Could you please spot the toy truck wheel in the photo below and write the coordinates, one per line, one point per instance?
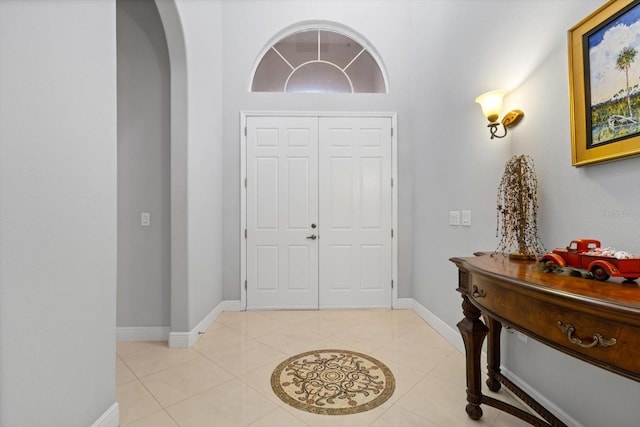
(599, 273)
(630, 278)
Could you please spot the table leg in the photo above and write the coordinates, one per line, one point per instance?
(493, 353)
(473, 332)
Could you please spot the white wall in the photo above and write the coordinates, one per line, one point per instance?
(248, 26)
(456, 166)
(144, 253)
(465, 48)
(193, 32)
(57, 212)
(202, 22)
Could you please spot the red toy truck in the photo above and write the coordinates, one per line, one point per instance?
(587, 254)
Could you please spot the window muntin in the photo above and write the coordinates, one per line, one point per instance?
(313, 61)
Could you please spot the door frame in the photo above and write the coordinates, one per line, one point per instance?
(244, 115)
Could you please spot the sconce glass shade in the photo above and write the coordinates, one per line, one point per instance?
(491, 104)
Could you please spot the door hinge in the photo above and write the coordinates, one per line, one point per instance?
(391, 182)
(392, 284)
(245, 285)
(245, 233)
(245, 182)
(245, 131)
(392, 233)
(392, 132)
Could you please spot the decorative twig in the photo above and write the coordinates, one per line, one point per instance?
(517, 210)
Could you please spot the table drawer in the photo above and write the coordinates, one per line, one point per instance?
(590, 336)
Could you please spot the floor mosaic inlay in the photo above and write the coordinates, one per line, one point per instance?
(333, 382)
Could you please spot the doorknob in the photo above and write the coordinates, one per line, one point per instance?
(312, 237)
(313, 226)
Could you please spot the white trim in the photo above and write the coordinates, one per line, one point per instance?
(110, 417)
(450, 334)
(321, 26)
(234, 305)
(404, 304)
(188, 339)
(454, 338)
(142, 333)
(182, 339)
(394, 209)
(280, 55)
(243, 190)
(354, 59)
(243, 208)
(277, 113)
(319, 61)
(548, 404)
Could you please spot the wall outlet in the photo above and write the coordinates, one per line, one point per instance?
(522, 337)
(454, 217)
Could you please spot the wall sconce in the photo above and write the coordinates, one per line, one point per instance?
(491, 103)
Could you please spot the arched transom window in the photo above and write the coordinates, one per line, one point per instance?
(318, 60)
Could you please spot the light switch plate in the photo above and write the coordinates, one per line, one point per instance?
(145, 219)
(454, 217)
(466, 218)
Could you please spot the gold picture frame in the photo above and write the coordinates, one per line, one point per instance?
(605, 121)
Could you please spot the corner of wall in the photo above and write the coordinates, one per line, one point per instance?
(188, 339)
(110, 417)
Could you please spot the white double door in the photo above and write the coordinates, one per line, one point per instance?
(319, 212)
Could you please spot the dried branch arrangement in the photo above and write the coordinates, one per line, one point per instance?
(517, 217)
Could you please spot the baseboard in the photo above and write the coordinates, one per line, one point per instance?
(403, 304)
(142, 333)
(455, 339)
(548, 404)
(232, 305)
(110, 418)
(188, 339)
(450, 334)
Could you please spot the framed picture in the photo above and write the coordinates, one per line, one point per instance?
(604, 82)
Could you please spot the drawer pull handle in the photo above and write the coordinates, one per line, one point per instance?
(598, 339)
(478, 293)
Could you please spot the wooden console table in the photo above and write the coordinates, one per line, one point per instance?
(598, 322)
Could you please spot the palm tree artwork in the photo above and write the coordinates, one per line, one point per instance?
(625, 58)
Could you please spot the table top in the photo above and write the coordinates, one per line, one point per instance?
(614, 294)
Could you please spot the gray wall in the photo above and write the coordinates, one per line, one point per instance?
(144, 253)
(57, 212)
(194, 27)
(600, 201)
(524, 51)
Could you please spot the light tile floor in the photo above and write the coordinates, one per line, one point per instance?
(224, 380)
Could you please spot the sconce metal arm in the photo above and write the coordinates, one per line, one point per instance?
(512, 118)
(493, 128)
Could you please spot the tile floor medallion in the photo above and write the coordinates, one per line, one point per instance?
(333, 382)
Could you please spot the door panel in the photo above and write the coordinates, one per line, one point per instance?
(371, 266)
(266, 172)
(333, 172)
(355, 212)
(371, 205)
(282, 203)
(340, 176)
(298, 186)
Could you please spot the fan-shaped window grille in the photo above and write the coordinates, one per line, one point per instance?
(318, 61)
